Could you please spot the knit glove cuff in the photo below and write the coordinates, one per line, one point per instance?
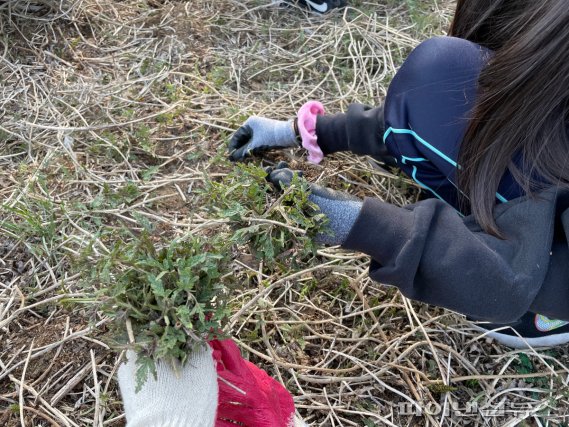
(186, 398)
(247, 395)
(341, 209)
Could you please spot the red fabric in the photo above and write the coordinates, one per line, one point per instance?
(266, 402)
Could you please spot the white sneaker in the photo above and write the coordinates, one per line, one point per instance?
(532, 330)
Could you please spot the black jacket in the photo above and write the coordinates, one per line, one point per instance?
(433, 255)
(429, 251)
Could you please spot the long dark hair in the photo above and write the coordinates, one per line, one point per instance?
(522, 109)
(489, 23)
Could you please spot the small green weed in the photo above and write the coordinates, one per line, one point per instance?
(173, 295)
(281, 234)
(524, 365)
(440, 388)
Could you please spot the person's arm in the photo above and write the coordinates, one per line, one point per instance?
(433, 255)
(359, 130)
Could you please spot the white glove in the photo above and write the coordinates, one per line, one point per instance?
(187, 398)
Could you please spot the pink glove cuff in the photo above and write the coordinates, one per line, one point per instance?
(307, 129)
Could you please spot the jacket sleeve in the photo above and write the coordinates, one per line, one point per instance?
(359, 130)
(434, 255)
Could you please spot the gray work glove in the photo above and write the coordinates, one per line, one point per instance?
(341, 209)
(259, 134)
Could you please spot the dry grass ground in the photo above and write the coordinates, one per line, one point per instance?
(110, 112)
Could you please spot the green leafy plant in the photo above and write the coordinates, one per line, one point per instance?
(166, 297)
(171, 298)
(277, 227)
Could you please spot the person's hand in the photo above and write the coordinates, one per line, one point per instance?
(259, 134)
(187, 397)
(247, 395)
(341, 209)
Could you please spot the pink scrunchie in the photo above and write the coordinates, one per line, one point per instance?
(307, 129)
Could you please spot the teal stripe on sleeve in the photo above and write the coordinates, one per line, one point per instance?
(435, 150)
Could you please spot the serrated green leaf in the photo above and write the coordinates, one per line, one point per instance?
(144, 366)
(150, 172)
(157, 285)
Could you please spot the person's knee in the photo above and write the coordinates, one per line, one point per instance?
(435, 89)
(441, 61)
(445, 54)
